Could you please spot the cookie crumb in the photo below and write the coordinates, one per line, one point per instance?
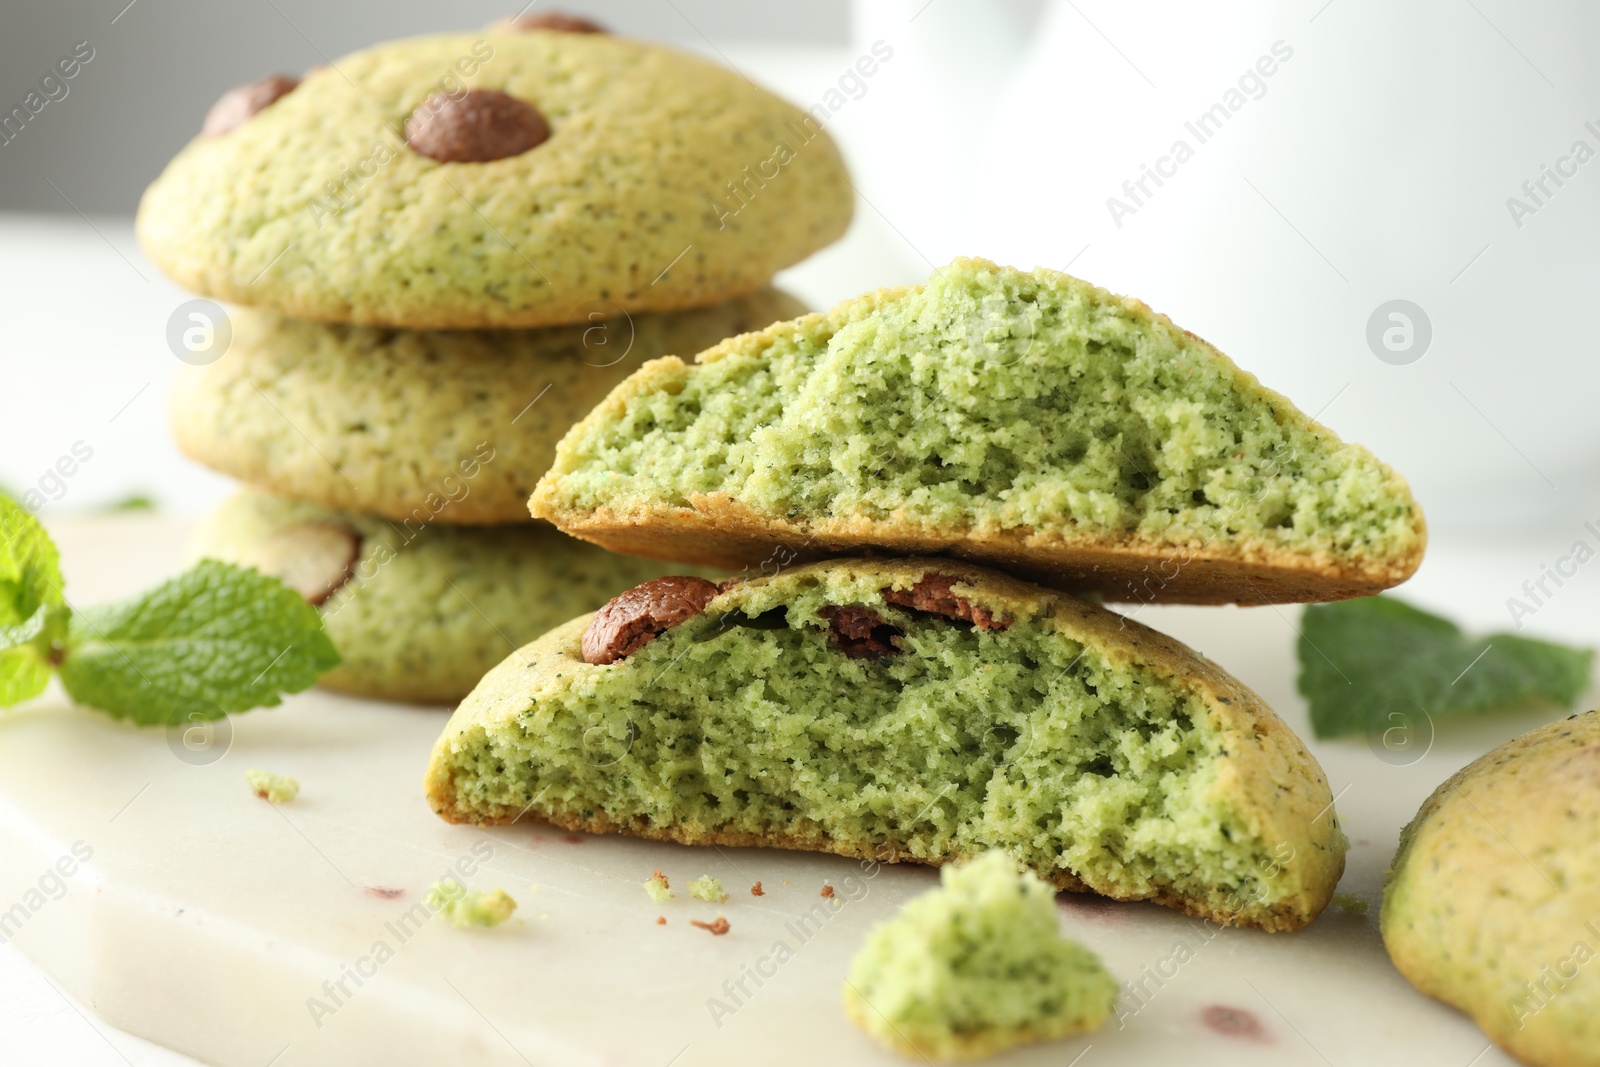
(827, 890)
(707, 888)
(757, 891)
(1350, 904)
(657, 886)
(273, 788)
(661, 920)
(718, 928)
(470, 908)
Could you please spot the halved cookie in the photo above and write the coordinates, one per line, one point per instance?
(399, 422)
(1029, 420)
(921, 710)
(1493, 901)
(418, 611)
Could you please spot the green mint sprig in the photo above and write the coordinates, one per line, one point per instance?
(1364, 661)
(216, 639)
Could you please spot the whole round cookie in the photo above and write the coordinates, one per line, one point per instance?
(506, 178)
(418, 613)
(1493, 901)
(435, 426)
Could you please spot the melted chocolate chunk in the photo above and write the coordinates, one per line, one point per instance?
(632, 620)
(557, 22)
(932, 594)
(234, 108)
(860, 633)
(476, 126)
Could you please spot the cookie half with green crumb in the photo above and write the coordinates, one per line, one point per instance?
(976, 967)
(498, 179)
(913, 710)
(1492, 903)
(418, 612)
(449, 426)
(1027, 420)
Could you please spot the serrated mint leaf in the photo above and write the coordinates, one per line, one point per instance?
(216, 639)
(1364, 661)
(30, 572)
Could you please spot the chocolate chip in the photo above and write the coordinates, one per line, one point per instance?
(476, 126)
(860, 633)
(556, 22)
(632, 620)
(314, 559)
(932, 594)
(236, 105)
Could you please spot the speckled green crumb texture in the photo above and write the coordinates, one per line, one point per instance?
(1025, 419)
(1493, 900)
(426, 610)
(975, 967)
(1100, 754)
(449, 426)
(667, 182)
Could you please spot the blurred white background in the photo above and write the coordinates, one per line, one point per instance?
(1273, 176)
(1282, 178)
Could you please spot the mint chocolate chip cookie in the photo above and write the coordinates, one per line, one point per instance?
(447, 426)
(516, 177)
(920, 710)
(418, 612)
(1028, 420)
(1493, 900)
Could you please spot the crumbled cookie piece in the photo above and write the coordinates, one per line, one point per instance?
(463, 907)
(718, 927)
(274, 788)
(707, 888)
(657, 886)
(757, 891)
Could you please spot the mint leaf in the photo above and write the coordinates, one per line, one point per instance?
(1362, 661)
(25, 651)
(30, 572)
(216, 639)
(31, 611)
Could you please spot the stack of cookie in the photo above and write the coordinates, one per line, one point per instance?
(447, 249)
(992, 424)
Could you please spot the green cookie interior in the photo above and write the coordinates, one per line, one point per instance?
(993, 399)
(748, 724)
(976, 966)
